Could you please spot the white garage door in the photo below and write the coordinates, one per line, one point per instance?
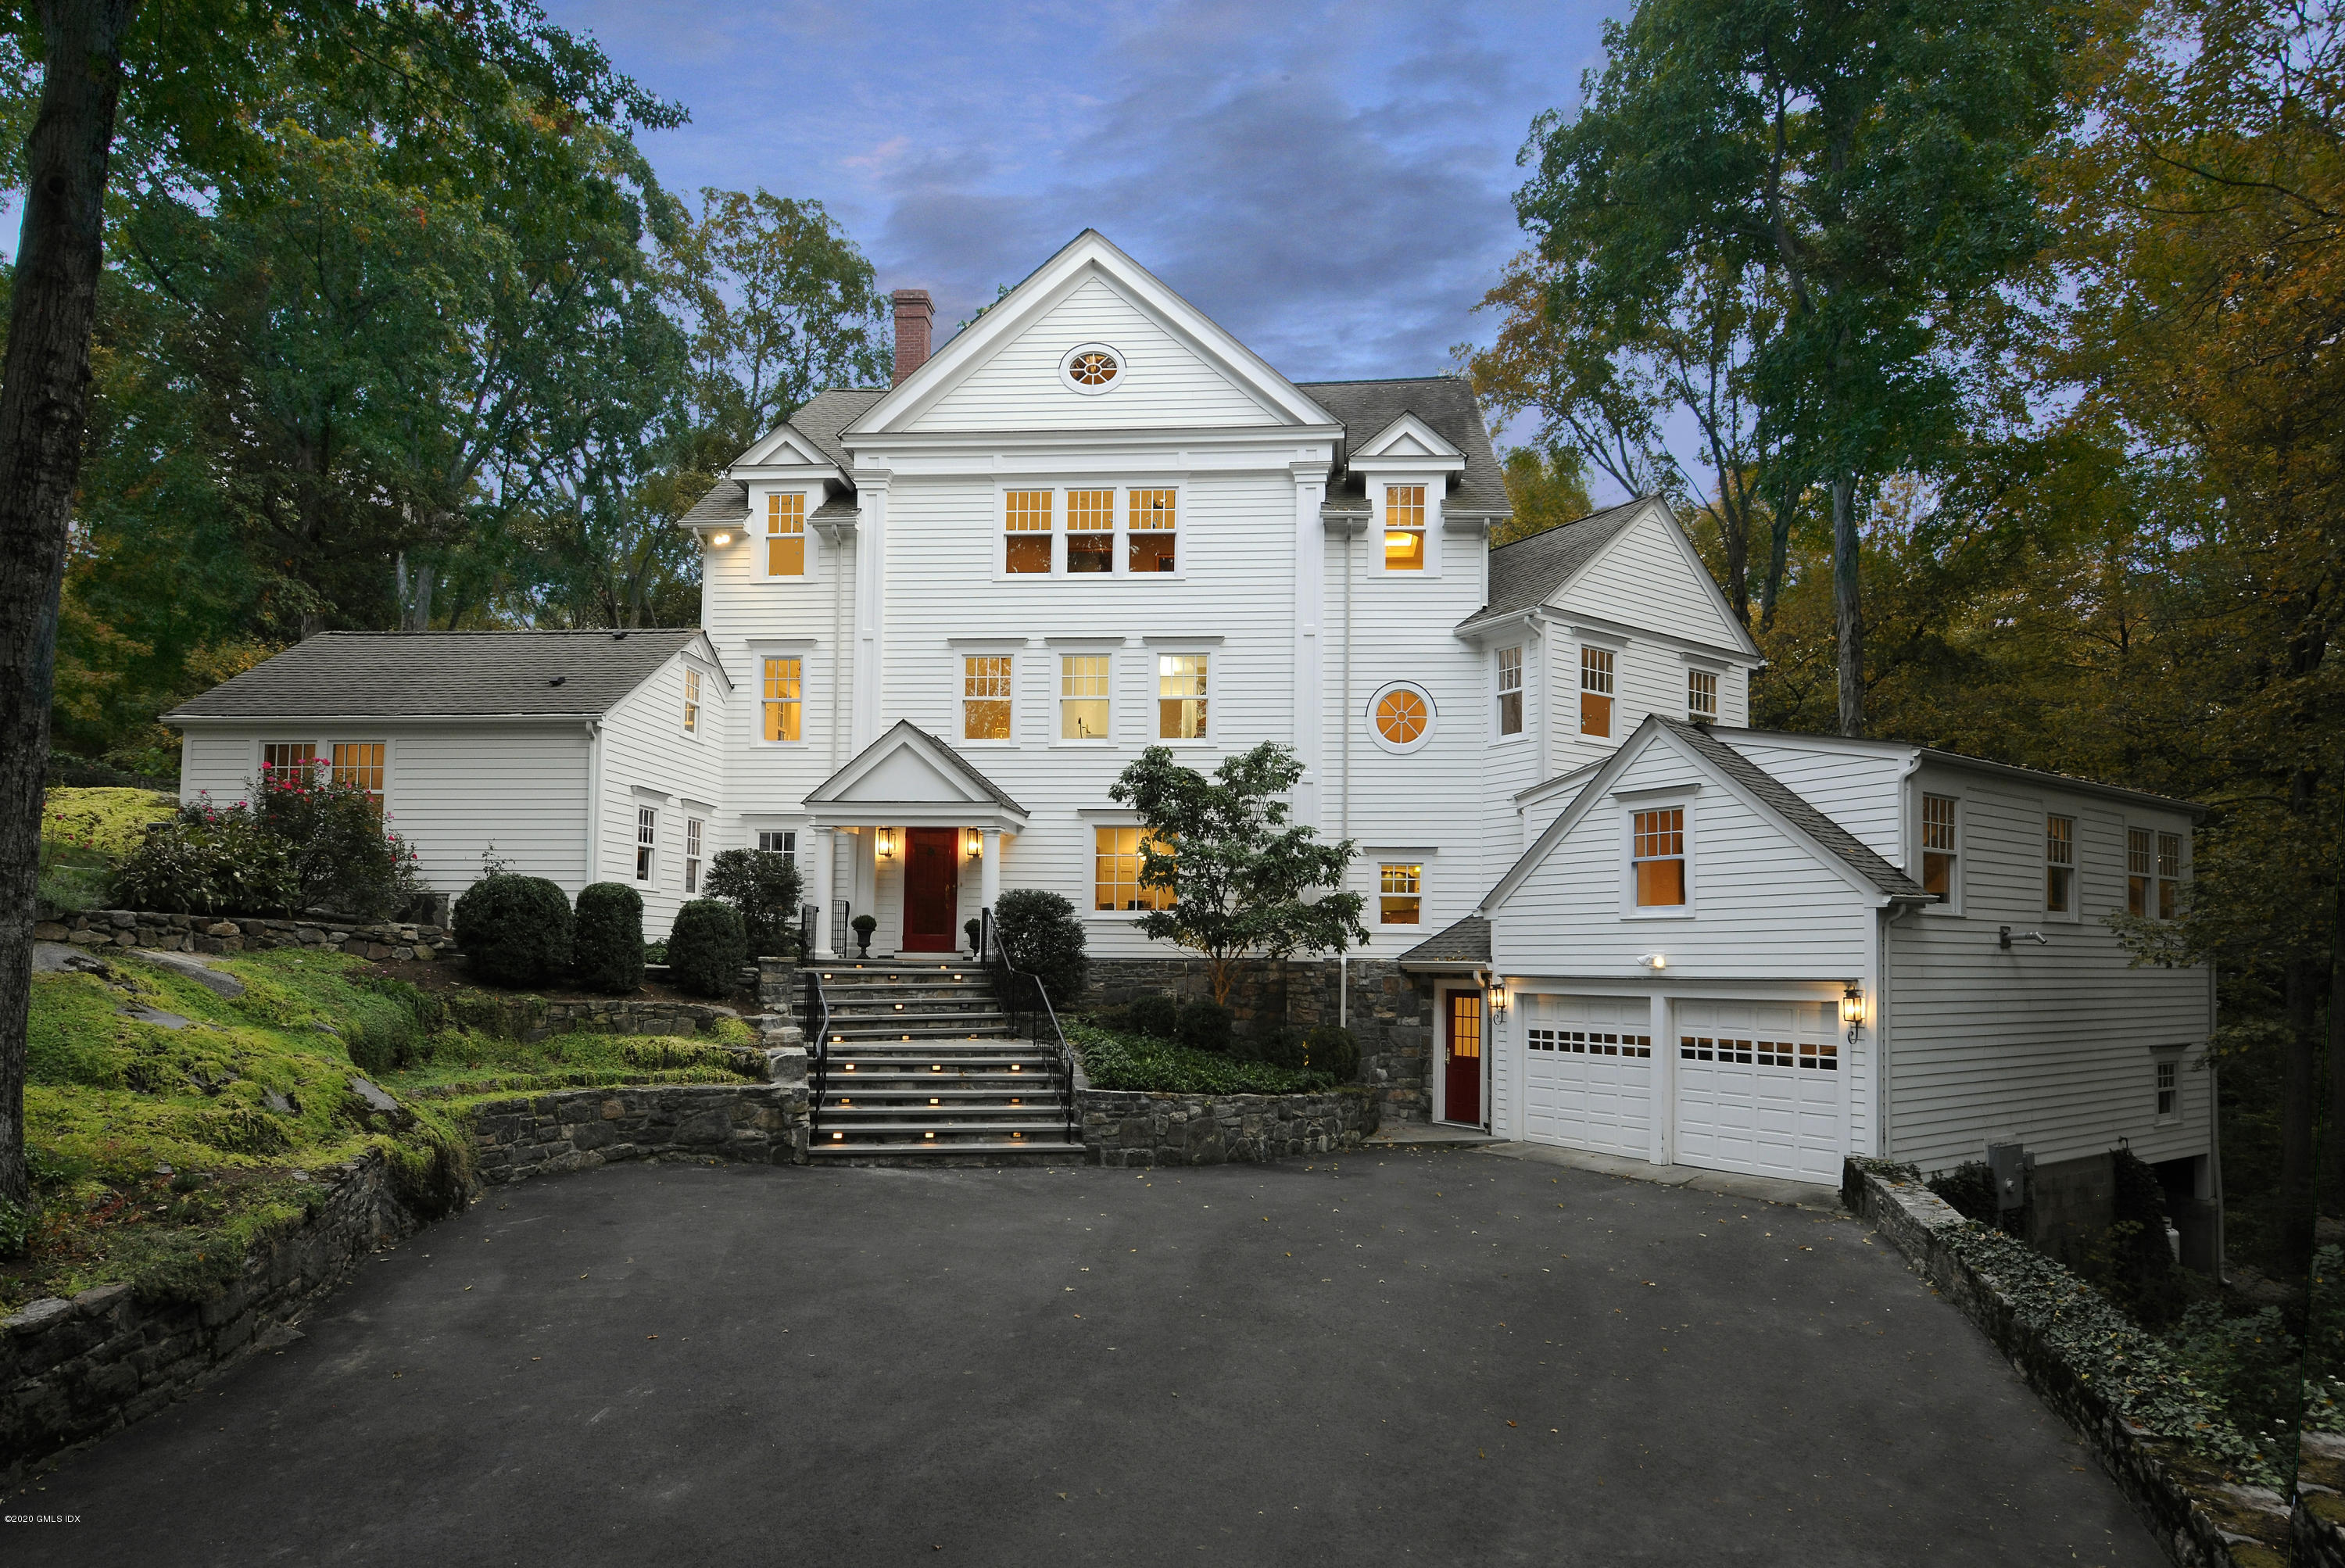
(1588, 1071)
(1760, 1088)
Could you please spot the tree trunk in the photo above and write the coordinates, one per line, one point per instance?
(44, 406)
(1848, 611)
(2337, 1053)
(2302, 988)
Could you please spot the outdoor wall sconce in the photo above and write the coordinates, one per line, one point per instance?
(1852, 1009)
(1655, 961)
(2004, 936)
(886, 845)
(1497, 998)
(720, 540)
(972, 843)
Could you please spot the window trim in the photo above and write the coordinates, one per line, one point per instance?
(646, 845)
(1423, 738)
(692, 708)
(788, 851)
(1059, 698)
(2074, 912)
(2162, 897)
(1416, 869)
(1673, 800)
(1500, 691)
(1067, 370)
(2164, 1065)
(761, 521)
(696, 838)
(1695, 675)
(1961, 852)
(1610, 694)
(1120, 535)
(961, 697)
(1156, 698)
(1379, 488)
(1117, 852)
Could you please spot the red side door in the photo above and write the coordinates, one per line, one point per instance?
(1461, 1084)
(931, 877)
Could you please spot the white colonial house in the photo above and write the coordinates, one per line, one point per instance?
(940, 617)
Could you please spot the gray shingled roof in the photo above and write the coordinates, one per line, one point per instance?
(959, 764)
(1778, 797)
(1528, 571)
(1445, 403)
(819, 421)
(1466, 941)
(434, 675)
(727, 504)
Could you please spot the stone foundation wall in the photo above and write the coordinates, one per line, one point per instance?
(534, 1018)
(2199, 1522)
(221, 933)
(577, 1129)
(1390, 1012)
(71, 1370)
(1122, 1127)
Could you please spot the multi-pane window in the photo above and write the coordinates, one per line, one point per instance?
(359, 764)
(1510, 691)
(1026, 527)
(1404, 527)
(1938, 846)
(296, 758)
(784, 843)
(646, 840)
(1082, 696)
(1402, 715)
(1117, 865)
(785, 698)
(692, 854)
(1657, 856)
(1150, 530)
(692, 702)
(985, 697)
(2060, 865)
(1701, 695)
(786, 534)
(1595, 691)
(1399, 894)
(2169, 1088)
(1181, 697)
(1091, 530)
(2153, 871)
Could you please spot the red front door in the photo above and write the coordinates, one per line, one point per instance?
(931, 877)
(1461, 1084)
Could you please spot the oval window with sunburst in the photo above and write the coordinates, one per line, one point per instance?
(1093, 367)
(1401, 716)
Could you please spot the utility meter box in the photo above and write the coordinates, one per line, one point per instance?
(2007, 1162)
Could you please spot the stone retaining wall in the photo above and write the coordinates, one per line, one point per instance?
(2199, 1522)
(1127, 1127)
(74, 1370)
(577, 1129)
(2315, 1534)
(221, 933)
(534, 1018)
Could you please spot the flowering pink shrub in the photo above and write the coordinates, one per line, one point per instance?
(303, 841)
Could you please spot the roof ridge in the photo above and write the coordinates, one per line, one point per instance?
(1574, 523)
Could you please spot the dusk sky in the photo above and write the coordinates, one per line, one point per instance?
(1332, 183)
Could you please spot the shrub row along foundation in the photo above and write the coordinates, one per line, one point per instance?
(219, 934)
(2200, 1520)
(1124, 1128)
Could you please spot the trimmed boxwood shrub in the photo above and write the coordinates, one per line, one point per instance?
(707, 949)
(607, 952)
(1203, 1026)
(1333, 1049)
(1154, 1015)
(1046, 939)
(514, 930)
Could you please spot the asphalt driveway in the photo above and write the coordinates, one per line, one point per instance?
(1434, 1356)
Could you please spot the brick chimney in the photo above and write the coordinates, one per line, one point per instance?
(913, 311)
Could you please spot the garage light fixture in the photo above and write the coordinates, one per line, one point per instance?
(1497, 998)
(1852, 1009)
(720, 540)
(1656, 962)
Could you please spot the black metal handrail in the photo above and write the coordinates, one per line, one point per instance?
(1024, 994)
(818, 1017)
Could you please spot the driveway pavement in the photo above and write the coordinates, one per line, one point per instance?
(1408, 1355)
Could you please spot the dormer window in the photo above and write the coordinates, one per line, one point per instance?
(1404, 527)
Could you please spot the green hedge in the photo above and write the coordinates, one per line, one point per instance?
(608, 951)
(707, 949)
(1112, 1060)
(514, 930)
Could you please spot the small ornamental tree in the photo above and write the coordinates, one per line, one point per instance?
(608, 954)
(1241, 878)
(765, 886)
(1045, 939)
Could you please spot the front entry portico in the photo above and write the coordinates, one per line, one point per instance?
(922, 811)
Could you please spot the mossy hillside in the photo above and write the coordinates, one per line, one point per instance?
(108, 820)
(254, 1090)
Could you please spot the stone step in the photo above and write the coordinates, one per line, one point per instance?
(1005, 1152)
(918, 1110)
(937, 1132)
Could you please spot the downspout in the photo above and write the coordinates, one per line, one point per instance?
(592, 867)
(1345, 818)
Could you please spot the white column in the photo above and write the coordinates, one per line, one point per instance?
(1310, 611)
(821, 850)
(988, 873)
(870, 603)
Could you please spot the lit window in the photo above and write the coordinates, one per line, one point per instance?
(1701, 695)
(692, 702)
(1938, 850)
(646, 840)
(784, 704)
(1181, 697)
(2060, 865)
(296, 758)
(786, 534)
(360, 766)
(1026, 522)
(1404, 527)
(1595, 691)
(2169, 872)
(2170, 1089)
(692, 854)
(2141, 870)
(1399, 891)
(1091, 530)
(1093, 368)
(1151, 532)
(1082, 696)
(1402, 715)
(1658, 857)
(784, 843)
(985, 697)
(1116, 871)
(1510, 691)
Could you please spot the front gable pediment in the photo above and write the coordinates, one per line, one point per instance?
(909, 776)
(782, 447)
(1407, 441)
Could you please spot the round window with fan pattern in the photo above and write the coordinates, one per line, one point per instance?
(1401, 717)
(1092, 369)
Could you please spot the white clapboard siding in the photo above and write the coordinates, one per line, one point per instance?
(218, 765)
(457, 792)
(2051, 1046)
(648, 760)
(1646, 566)
(1162, 382)
(1856, 786)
